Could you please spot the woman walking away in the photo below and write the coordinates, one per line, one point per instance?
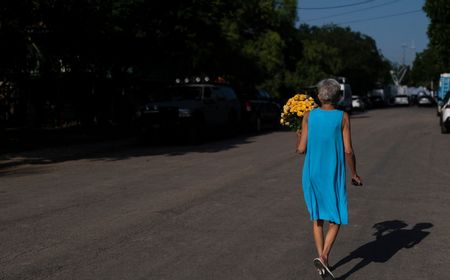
(326, 139)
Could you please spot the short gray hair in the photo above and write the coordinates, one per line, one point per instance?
(328, 90)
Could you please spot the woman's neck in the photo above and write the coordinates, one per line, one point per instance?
(327, 107)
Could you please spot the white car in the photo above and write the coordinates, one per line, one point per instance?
(401, 100)
(424, 100)
(445, 114)
(358, 103)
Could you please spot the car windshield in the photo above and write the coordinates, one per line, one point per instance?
(248, 93)
(180, 93)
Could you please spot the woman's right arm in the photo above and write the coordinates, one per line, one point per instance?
(348, 147)
(301, 149)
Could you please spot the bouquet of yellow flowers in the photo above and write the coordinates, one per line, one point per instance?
(295, 109)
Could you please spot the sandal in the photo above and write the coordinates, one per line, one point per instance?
(321, 272)
(321, 267)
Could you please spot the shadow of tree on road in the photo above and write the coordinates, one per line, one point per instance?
(390, 237)
(121, 149)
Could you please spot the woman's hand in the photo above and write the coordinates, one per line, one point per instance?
(356, 180)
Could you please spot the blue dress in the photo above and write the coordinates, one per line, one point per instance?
(323, 177)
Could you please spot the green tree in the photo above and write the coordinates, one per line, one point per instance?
(336, 51)
(252, 42)
(319, 61)
(439, 29)
(426, 68)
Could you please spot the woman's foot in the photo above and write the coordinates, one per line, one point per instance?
(324, 260)
(323, 269)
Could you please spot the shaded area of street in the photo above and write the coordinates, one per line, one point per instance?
(227, 209)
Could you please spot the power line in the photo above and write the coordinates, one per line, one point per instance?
(375, 18)
(353, 11)
(335, 7)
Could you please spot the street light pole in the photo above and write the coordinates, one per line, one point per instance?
(404, 54)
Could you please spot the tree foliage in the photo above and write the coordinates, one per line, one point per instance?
(336, 51)
(439, 29)
(254, 42)
(426, 69)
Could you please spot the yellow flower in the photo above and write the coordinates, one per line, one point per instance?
(295, 109)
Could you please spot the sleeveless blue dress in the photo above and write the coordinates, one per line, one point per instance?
(323, 177)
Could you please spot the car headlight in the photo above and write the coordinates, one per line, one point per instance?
(184, 113)
(151, 109)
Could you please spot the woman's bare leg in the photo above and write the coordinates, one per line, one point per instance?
(333, 230)
(318, 236)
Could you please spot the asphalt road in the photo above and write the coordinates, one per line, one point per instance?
(228, 209)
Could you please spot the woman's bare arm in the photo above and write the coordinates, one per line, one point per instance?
(301, 149)
(348, 147)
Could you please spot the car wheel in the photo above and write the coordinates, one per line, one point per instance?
(444, 128)
(195, 132)
(276, 124)
(233, 125)
(147, 136)
(276, 121)
(258, 124)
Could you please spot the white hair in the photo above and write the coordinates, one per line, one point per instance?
(328, 90)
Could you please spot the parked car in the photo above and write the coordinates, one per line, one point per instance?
(259, 109)
(358, 103)
(345, 103)
(440, 103)
(445, 114)
(401, 100)
(190, 110)
(424, 99)
(377, 98)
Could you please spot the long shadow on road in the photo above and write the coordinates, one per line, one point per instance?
(390, 237)
(121, 149)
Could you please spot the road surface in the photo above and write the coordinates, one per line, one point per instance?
(228, 209)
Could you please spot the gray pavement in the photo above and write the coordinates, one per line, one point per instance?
(228, 209)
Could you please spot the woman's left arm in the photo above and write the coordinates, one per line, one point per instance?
(348, 148)
(301, 149)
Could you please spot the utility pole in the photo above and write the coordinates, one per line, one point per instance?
(404, 54)
(413, 48)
